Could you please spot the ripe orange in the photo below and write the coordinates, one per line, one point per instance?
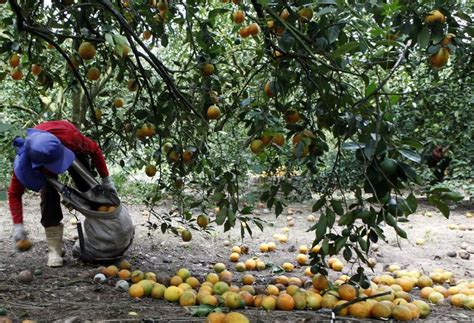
(16, 74)
(447, 39)
(263, 247)
(146, 34)
(132, 85)
(172, 294)
(118, 102)
(136, 290)
(124, 274)
(186, 235)
(305, 14)
(236, 249)
(244, 32)
(98, 114)
(266, 138)
(225, 276)
(250, 264)
(288, 267)
(284, 14)
(234, 257)
(380, 310)
(111, 271)
(86, 50)
(347, 292)
(269, 303)
(173, 156)
(337, 266)
(176, 280)
(302, 259)
(213, 112)
(158, 291)
(292, 116)
(435, 16)
(36, 69)
(360, 310)
(278, 139)
(285, 302)
(23, 245)
(147, 286)
(14, 60)
(187, 299)
(320, 282)
(439, 59)
(202, 221)
(256, 146)
(150, 170)
(215, 317)
(248, 279)
(137, 275)
(238, 16)
(93, 74)
(329, 301)
(401, 313)
(253, 29)
(268, 87)
(207, 69)
(187, 156)
(235, 317)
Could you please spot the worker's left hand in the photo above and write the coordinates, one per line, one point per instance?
(108, 186)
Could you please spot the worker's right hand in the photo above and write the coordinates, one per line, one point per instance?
(19, 232)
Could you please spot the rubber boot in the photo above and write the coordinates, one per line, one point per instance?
(54, 237)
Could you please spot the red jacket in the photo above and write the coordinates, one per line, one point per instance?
(70, 136)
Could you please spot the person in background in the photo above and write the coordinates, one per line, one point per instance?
(49, 149)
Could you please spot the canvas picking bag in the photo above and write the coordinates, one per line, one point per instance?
(105, 235)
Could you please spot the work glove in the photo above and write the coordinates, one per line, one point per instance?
(108, 187)
(19, 232)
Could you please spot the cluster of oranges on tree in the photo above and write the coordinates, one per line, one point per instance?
(436, 19)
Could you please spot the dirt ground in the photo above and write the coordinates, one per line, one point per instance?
(69, 293)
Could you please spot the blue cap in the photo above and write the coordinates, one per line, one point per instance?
(40, 149)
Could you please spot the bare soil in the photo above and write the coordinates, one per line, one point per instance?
(69, 293)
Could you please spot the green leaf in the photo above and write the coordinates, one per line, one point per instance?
(410, 154)
(440, 205)
(424, 37)
(3, 196)
(346, 219)
(390, 220)
(330, 217)
(401, 232)
(452, 196)
(370, 89)
(321, 226)
(363, 244)
(337, 207)
(340, 243)
(247, 210)
(352, 146)
(319, 204)
(347, 253)
(203, 310)
(221, 216)
(412, 202)
(347, 47)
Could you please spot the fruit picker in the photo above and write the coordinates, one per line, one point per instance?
(50, 149)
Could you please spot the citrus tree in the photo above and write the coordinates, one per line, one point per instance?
(201, 91)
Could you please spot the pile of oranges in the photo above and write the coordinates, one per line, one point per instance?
(388, 295)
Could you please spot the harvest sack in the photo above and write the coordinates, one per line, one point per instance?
(107, 235)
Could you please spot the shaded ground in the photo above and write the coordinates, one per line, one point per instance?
(70, 294)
